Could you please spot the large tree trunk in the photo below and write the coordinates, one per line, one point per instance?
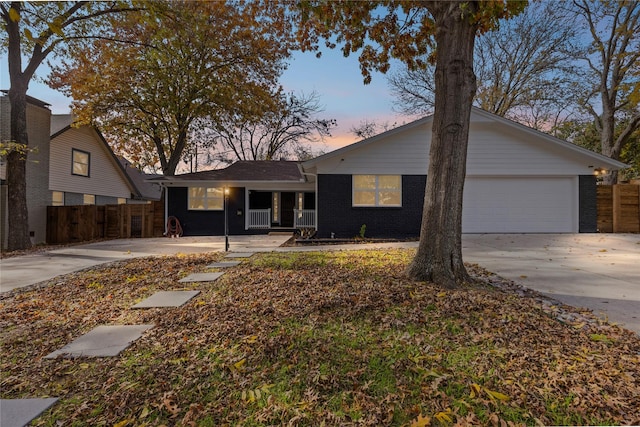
(18, 233)
(439, 256)
(17, 212)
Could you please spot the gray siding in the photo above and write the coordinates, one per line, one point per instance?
(105, 178)
(38, 194)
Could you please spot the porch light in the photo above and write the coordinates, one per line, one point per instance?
(599, 171)
(226, 221)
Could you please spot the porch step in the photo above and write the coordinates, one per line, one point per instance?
(281, 233)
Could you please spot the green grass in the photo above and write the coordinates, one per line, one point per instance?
(306, 339)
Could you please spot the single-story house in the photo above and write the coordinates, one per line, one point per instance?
(519, 180)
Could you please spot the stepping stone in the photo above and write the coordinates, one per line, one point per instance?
(239, 255)
(201, 277)
(103, 341)
(20, 412)
(167, 299)
(224, 264)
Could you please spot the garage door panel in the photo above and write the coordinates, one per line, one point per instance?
(519, 205)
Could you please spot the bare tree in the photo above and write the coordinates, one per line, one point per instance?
(522, 70)
(281, 133)
(613, 61)
(368, 128)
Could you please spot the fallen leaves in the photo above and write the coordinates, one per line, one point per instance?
(340, 338)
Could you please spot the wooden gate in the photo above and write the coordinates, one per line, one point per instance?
(618, 208)
(70, 224)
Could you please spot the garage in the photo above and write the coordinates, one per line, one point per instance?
(512, 204)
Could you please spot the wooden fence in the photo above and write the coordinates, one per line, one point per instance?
(70, 224)
(618, 208)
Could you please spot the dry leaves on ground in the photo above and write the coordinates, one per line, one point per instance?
(334, 338)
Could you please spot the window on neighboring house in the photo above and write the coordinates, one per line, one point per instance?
(206, 199)
(377, 190)
(122, 201)
(89, 199)
(80, 161)
(57, 198)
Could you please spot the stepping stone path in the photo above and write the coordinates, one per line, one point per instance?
(108, 341)
(201, 277)
(224, 264)
(167, 299)
(239, 255)
(20, 412)
(103, 341)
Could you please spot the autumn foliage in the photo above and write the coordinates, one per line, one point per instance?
(334, 338)
(169, 66)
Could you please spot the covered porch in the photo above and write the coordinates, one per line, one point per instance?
(273, 209)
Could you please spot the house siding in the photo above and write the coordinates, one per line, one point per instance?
(38, 194)
(208, 223)
(587, 201)
(337, 215)
(103, 180)
(494, 149)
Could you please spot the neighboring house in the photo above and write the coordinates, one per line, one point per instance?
(67, 166)
(518, 180)
(83, 169)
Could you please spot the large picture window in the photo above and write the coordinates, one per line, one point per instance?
(377, 190)
(206, 199)
(80, 160)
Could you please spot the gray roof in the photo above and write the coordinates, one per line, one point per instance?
(60, 122)
(247, 170)
(147, 190)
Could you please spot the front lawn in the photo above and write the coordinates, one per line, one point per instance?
(322, 338)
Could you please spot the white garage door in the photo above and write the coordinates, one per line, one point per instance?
(520, 205)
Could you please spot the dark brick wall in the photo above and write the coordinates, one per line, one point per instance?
(207, 223)
(337, 215)
(587, 204)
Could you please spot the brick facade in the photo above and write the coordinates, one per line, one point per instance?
(587, 204)
(337, 215)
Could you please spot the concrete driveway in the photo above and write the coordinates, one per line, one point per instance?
(597, 271)
(26, 270)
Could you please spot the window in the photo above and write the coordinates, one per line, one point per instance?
(206, 199)
(80, 161)
(122, 201)
(377, 190)
(57, 198)
(89, 199)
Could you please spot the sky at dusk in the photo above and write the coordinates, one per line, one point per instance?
(336, 79)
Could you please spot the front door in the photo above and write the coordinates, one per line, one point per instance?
(288, 204)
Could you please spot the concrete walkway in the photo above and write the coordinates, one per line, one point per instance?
(597, 271)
